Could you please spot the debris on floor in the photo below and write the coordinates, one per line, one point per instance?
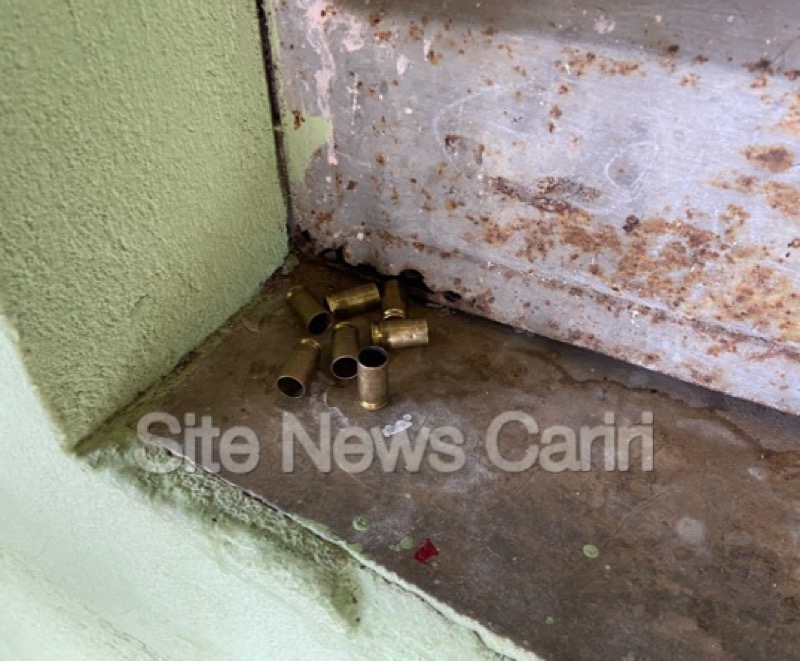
(697, 558)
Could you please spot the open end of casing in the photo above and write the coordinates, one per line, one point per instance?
(319, 323)
(344, 367)
(373, 357)
(290, 387)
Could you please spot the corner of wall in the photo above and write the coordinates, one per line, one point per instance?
(140, 191)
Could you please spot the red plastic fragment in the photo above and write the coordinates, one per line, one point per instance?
(426, 551)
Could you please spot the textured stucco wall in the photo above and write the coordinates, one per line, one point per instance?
(139, 196)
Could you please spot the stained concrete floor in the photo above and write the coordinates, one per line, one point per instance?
(699, 558)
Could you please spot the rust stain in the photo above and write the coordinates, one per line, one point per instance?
(656, 242)
(592, 240)
(538, 235)
(753, 293)
(584, 338)
(537, 240)
(380, 158)
(496, 235)
(764, 65)
(631, 223)
(390, 239)
(734, 218)
(452, 142)
(509, 51)
(383, 36)
(690, 80)
(774, 158)
(450, 43)
(791, 123)
(514, 191)
(548, 194)
(784, 198)
(299, 120)
(761, 296)
(691, 214)
(484, 301)
(323, 217)
(556, 112)
(434, 57)
(566, 186)
(757, 294)
(706, 377)
(668, 64)
(579, 63)
(725, 345)
(698, 273)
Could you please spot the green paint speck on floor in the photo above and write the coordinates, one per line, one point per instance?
(361, 523)
(591, 551)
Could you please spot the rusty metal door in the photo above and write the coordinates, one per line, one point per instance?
(622, 178)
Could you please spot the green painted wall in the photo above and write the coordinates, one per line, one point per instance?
(139, 196)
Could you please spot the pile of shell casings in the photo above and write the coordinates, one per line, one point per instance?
(358, 345)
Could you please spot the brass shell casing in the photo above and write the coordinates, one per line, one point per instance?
(299, 369)
(315, 318)
(393, 301)
(354, 300)
(344, 359)
(364, 327)
(400, 333)
(373, 378)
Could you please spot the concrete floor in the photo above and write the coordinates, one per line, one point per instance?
(698, 558)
